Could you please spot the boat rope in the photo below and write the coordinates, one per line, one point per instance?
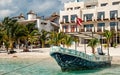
(22, 67)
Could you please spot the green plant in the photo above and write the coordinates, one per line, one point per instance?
(105, 46)
(115, 45)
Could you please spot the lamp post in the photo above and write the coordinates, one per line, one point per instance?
(101, 41)
(85, 45)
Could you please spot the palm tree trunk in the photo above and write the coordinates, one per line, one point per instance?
(43, 44)
(93, 50)
(18, 44)
(108, 47)
(11, 45)
(75, 46)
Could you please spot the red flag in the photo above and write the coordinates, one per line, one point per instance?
(79, 21)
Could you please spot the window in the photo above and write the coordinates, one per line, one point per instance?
(78, 0)
(65, 18)
(113, 14)
(43, 23)
(65, 28)
(103, 4)
(88, 27)
(100, 26)
(101, 15)
(90, 6)
(77, 8)
(115, 3)
(112, 25)
(88, 17)
(73, 17)
(69, 8)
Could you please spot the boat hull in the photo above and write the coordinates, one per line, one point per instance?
(69, 62)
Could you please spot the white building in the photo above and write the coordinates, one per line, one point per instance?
(97, 16)
(46, 24)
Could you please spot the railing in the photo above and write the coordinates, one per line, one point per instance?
(94, 58)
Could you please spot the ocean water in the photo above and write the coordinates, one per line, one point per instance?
(47, 66)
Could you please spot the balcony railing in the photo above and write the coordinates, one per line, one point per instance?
(88, 30)
(99, 30)
(67, 22)
(112, 29)
(118, 29)
(72, 21)
(82, 30)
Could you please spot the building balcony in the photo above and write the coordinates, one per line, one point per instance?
(112, 29)
(112, 18)
(64, 22)
(88, 30)
(82, 30)
(104, 19)
(99, 30)
(118, 29)
(88, 21)
(72, 21)
(61, 22)
(115, 18)
(99, 19)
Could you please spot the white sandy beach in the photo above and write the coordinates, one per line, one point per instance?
(42, 53)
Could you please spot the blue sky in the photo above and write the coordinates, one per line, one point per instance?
(41, 7)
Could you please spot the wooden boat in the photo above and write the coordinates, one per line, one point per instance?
(69, 59)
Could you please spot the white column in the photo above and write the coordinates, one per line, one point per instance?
(85, 29)
(102, 17)
(116, 27)
(102, 28)
(64, 29)
(69, 28)
(64, 20)
(85, 19)
(93, 28)
(116, 16)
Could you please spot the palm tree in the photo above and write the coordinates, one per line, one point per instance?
(10, 26)
(76, 39)
(43, 37)
(60, 38)
(93, 43)
(68, 40)
(56, 38)
(21, 33)
(33, 37)
(108, 34)
(30, 27)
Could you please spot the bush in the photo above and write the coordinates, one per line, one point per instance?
(115, 45)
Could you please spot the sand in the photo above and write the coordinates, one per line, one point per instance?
(43, 53)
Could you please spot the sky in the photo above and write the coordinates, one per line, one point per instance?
(40, 7)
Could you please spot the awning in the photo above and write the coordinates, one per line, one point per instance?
(86, 35)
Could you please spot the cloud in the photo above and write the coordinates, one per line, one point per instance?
(4, 2)
(41, 7)
(5, 13)
(45, 6)
(64, 1)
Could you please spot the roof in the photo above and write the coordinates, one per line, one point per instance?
(31, 12)
(86, 35)
(53, 17)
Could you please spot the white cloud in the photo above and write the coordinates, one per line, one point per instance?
(5, 13)
(4, 2)
(42, 7)
(64, 1)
